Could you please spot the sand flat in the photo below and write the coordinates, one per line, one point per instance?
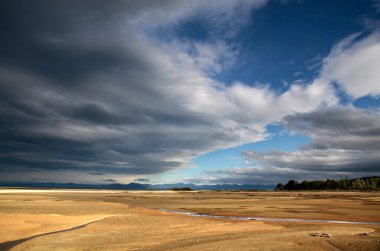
(45, 191)
(136, 223)
(20, 226)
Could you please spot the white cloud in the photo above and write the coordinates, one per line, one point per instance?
(354, 63)
(259, 105)
(346, 142)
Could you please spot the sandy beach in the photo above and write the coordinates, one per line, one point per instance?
(123, 220)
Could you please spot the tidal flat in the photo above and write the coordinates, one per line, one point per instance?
(63, 219)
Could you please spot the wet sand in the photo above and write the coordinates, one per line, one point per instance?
(122, 220)
(246, 218)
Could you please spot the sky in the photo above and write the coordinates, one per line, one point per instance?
(204, 92)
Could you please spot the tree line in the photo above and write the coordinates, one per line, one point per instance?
(361, 184)
(181, 189)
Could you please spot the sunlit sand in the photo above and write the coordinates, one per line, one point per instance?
(124, 220)
(56, 191)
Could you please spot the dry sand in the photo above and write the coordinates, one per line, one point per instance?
(121, 220)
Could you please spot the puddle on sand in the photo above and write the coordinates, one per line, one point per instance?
(245, 218)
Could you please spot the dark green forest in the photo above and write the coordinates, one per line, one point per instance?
(357, 184)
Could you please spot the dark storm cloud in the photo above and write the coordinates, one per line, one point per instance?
(341, 127)
(36, 37)
(109, 180)
(49, 52)
(326, 160)
(95, 113)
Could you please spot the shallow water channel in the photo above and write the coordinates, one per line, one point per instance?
(247, 218)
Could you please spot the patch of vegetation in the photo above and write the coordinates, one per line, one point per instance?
(181, 189)
(358, 184)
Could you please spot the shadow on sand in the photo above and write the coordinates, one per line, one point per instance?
(10, 244)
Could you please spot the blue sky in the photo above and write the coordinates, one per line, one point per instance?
(280, 40)
(248, 91)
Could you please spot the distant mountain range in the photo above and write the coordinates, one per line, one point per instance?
(138, 186)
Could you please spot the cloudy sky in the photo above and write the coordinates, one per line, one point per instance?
(249, 91)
